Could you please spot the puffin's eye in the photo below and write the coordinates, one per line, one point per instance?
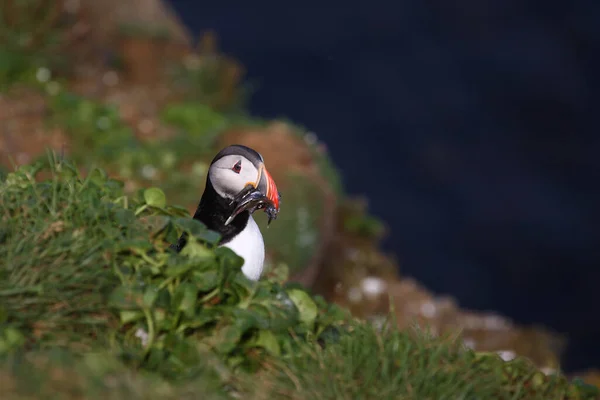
(237, 168)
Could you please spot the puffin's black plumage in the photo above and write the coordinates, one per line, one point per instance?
(213, 210)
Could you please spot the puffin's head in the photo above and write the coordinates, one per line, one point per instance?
(238, 173)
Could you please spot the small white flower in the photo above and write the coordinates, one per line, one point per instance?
(142, 335)
(373, 286)
(507, 355)
(548, 370)
(43, 74)
(103, 123)
(148, 171)
(428, 309)
(470, 343)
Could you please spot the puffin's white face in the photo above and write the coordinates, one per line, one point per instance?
(229, 175)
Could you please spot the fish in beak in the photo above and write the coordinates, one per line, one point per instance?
(261, 194)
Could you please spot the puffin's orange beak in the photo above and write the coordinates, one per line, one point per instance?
(267, 186)
(253, 196)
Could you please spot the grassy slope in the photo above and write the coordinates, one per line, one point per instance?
(92, 306)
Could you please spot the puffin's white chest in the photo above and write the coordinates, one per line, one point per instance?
(249, 245)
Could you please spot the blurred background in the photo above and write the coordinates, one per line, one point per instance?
(468, 126)
(465, 130)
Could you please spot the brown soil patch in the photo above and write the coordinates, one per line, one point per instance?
(24, 134)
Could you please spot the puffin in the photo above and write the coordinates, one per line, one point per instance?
(237, 185)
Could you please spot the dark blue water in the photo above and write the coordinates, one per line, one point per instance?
(470, 127)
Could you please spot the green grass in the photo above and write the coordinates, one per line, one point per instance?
(388, 364)
(94, 306)
(58, 374)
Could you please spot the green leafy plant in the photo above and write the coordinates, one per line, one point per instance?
(89, 289)
(84, 265)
